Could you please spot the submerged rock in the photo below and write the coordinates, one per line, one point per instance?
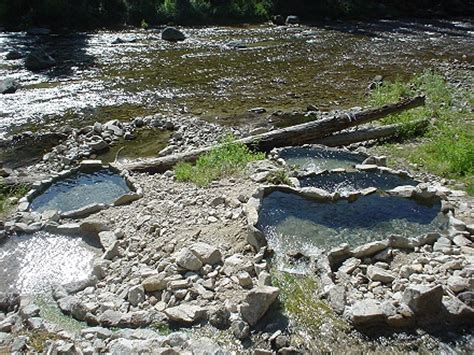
(13, 55)
(39, 60)
(8, 86)
(172, 34)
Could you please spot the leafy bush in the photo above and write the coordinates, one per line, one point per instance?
(229, 158)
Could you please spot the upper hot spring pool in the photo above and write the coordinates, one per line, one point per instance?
(81, 189)
(355, 180)
(292, 223)
(319, 159)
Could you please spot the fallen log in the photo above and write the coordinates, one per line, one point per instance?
(300, 134)
(372, 133)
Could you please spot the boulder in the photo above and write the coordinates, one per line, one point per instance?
(458, 284)
(155, 283)
(186, 314)
(204, 346)
(292, 20)
(39, 60)
(219, 318)
(110, 318)
(188, 260)
(137, 346)
(369, 249)
(378, 274)
(458, 312)
(207, 253)
(367, 313)
(136, 295)
(13, 55)
(257, 303)
(8, 86)
(240, 329)
(423, 300)
(278, 20)
(172, 34)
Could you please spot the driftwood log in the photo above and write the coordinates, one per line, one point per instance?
(300, 134)
(371, 133)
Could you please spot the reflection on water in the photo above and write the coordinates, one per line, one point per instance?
(355, 180)
(328, 65)
(81, 189)
(316, 159)
(293, 223)
(32, 264)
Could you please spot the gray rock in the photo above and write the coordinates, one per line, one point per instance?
(369, 249)
(186, 313)
(98, 332)
(292, 20)
(129, 346)
(67, 304)
(13, 55)
(136, 295)
(423, 300)
(30, 310)
(112, 251)
(338, 254)
(155, 283)
(377, 274)
(220, 318)
(240, 329)
(39, 60)
(98, 145)
(458, 312)
(257, 303)
(207, 253)
(442, 244)
(8, 86)
(367, 313)
(188, 260)
(457, 284)
(172, 34)
(337, 298)
(107, 239)
(110, 318)
(84, 211)
(19, 344)
(278, 20)
(349, 265)
(205, 346)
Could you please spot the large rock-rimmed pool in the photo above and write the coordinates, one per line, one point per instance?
(32, 264)
(319, 158)
(81, 189)
(291, 222)
(348, 181)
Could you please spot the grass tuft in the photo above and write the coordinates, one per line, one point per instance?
(447, 148)
(228, 158)
(8, 192)
(298, 296)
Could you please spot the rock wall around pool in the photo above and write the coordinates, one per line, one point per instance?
(32, 221)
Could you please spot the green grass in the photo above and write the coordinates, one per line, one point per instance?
(227, 159)
(298, 296)
(279, 177)
(447, 148)
(7, 192)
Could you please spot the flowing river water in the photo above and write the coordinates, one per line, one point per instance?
(210, 75)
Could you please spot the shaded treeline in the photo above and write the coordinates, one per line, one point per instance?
(107, 13)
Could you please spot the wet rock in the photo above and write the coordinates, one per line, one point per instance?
(39, 60)
(367, 313)
(8, 86)
(338, 254)
(136, 295)
(172, 34)
(84, 211)
(188, 260)
(240, 329)
(257, 303)
(186, 314)
(278, 20)
(13, 55)
(38, 31)
(292, 20)
(207, 253)
(423, 300)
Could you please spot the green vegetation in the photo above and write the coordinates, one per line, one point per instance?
(279, 177)
(10, 192)
(161, 328)
(447, 148)
(298, 296)
(37, 339)
(100, 13)
(228, 158)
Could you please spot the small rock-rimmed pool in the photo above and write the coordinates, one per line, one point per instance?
(294, 223)
(349, 181)
(81, 189)
(31, 264)
(319, 158)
